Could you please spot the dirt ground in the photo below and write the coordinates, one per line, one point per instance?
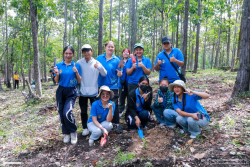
(225, 142)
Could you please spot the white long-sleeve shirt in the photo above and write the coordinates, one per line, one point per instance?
(89, 82)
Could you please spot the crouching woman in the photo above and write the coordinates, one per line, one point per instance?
(139, 101)
(101, 115)
(192, 116)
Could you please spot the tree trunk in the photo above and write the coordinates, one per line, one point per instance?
(7, 67)
(110, 21)
(243, 75)
(166, 24)
(217, 49)
(189, 47)
(73, 34)
(183, 68)
(100, 35)
(212, 58)
(65, 24)
(44, 54)
(153, 43)
(34, 22)
(119, 23)
(234, 47)
(204, 53)
(177, 31)
(197, 38)
(239, 44)
(22, 72)
(70, 17)
(134, 23)
(229, 34)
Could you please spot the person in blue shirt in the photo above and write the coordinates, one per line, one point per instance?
(164, 65)
(139, 102)
(111, 62)
(163, 106)
(141, 67)
(191, 115)
(101, 115)
(123, 81)
(68, 75)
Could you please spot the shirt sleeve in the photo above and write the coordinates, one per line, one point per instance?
(129, 64)
(148, 64)
(179, 56)
(93, 110)
(175, 104)
(196, 97)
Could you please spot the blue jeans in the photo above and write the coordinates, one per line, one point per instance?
(192, 126)
(97, 132)
(169, 116)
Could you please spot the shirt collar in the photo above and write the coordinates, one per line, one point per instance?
(137, 92)
(72, 62)
(141, 57)
(100, 103)
(112, 57)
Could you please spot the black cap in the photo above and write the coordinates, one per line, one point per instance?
(166, 39)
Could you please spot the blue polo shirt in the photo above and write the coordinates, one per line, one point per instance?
(97, 110)
(124, 75)
(139, 101)
(192, 105)
(111, 79)
(167, 70)
(136, 75)
(67, 77)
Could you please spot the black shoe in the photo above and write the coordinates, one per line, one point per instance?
(118, 129)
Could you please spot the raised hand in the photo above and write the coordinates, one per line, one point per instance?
(172, 59)
(145, 96)
(96, 64)
(140, 64)
(134, 66)
(110, 106)
(56, 70)
(158, 62)
(74, 68)
(160, 99)
(189, 92)
(119, 73)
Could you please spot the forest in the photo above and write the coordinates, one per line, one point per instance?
(213, 35)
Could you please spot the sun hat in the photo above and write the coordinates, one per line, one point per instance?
(106, 88)
(86, 46)
(177, 83)
(138, 45)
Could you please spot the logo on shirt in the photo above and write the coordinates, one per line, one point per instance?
(163, 61)
(73, 82)
(137, 104)
(99, 116)
(60, 71)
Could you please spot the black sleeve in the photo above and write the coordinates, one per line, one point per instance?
(132, 104)
(147, 104)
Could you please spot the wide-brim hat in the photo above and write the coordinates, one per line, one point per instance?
(177, 83)
(106, 88)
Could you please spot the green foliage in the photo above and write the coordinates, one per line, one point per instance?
(122, 157)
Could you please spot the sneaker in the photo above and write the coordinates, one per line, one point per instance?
(91, 142)
(118, 129)
(182, 131)
(192, 136)
(162, 124)
(85, 132)
(172, 126)
(73, 138)
(66, 138)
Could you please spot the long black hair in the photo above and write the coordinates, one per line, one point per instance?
(183, 101)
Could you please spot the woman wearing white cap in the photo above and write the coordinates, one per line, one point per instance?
(191, 115)
(101, 115)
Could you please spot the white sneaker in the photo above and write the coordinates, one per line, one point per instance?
(172, 126)
(91, 142)
(162, 124)
(85, 132)
(66, 138)
(73, 138)
(192, 136)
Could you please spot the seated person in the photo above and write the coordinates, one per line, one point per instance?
(101, 114)
(139, 102)
(191, 115)
(163, 106)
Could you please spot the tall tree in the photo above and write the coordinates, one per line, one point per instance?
(229, 33)
(183, 68)
(243, 76)
(7, 64)
(234, 46)
(119, 24)
(65, 24)
(134, 23)
(34, 23)
(204, 52)
(100, 35)
(110, 23)
(197, 37)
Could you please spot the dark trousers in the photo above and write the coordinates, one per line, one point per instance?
(144, 116)
(116, 119)
(65, 98)
(53, 79)
(123, 93)
(16, 85)
(83, 103)
(132, 86)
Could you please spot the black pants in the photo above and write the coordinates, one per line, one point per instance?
(123, 93)
(16, 85)
(83, 103)
(131, 86)
(116, 119)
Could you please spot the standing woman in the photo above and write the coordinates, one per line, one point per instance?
(139, 101)
(123, 82)
(110, 62)
(68, 75)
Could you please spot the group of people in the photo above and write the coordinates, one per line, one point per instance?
(108, 81)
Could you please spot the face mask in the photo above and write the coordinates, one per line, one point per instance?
(163, 88)
(143, 87)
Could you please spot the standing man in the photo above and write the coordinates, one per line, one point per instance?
(88, 89)
(16, 78)
(163, 64)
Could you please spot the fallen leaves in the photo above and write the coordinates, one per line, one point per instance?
(192, 149)
(189, 142)
(199, 156)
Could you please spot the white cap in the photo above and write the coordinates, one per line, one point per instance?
(86, 46)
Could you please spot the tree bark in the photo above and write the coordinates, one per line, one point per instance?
(197, 38)
(204, 53)
(234, 47)
(65, 24)
(212, 58)
(34, 22)
(185, 29)
(70, 17)
(217, 48)
(22, 71)
(134, 23)
(7, 67)
(229, 34)
(189, 47)
(110, 23)
(119, 23)
(177, 31)
(100, 35)
(243, 75)
(192, 54)
(153, 43)
(44, 54)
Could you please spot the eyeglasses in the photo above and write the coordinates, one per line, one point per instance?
(105, 95)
